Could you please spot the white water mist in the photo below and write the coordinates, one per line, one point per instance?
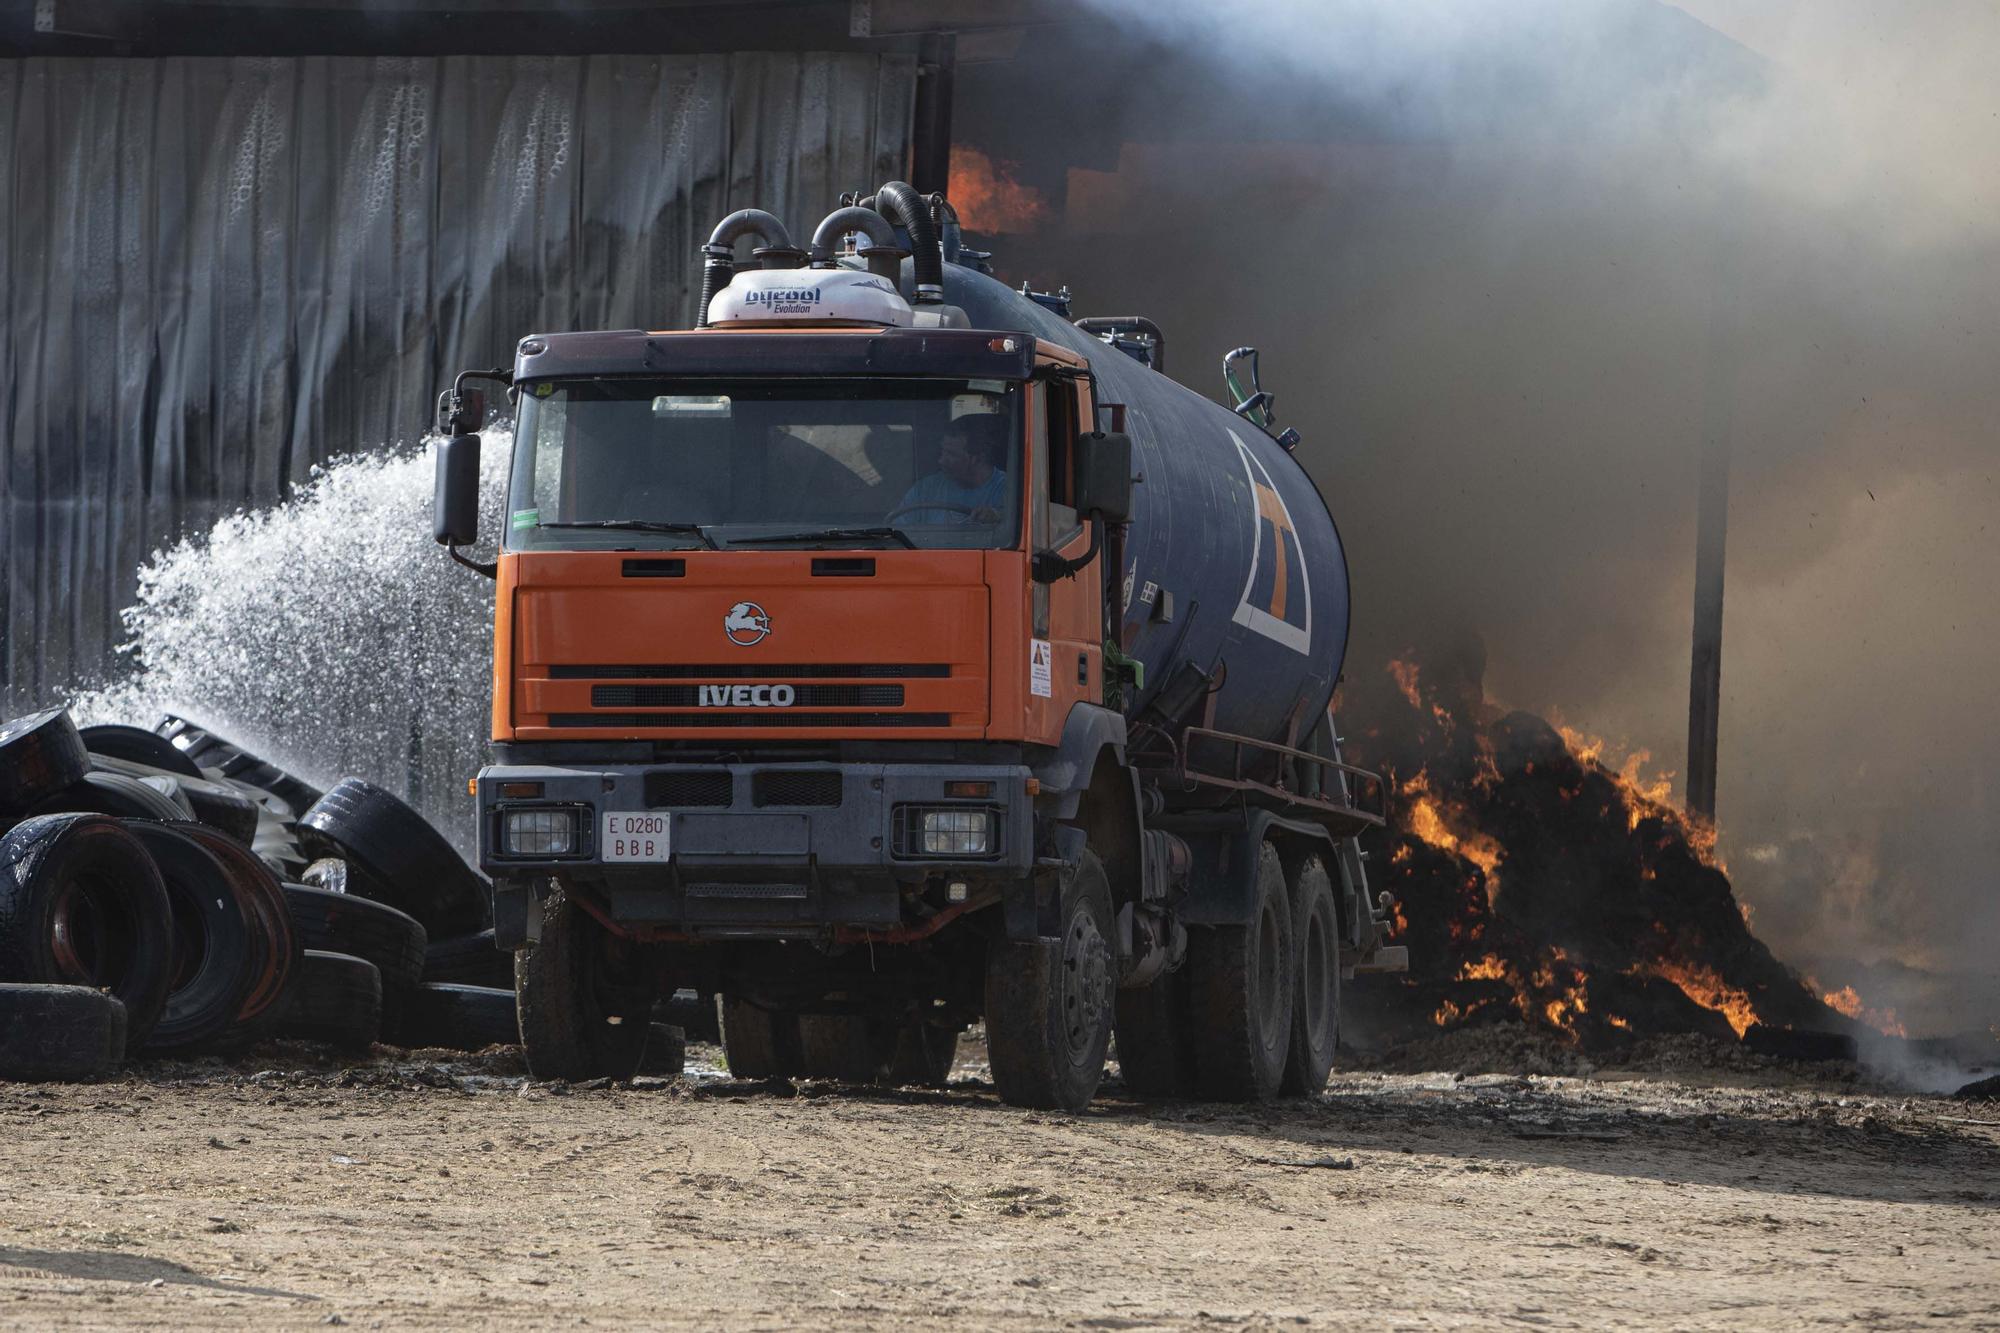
(328, 633)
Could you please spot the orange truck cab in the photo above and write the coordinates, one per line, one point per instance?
(807, 691)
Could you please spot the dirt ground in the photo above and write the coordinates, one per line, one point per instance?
(405, 1192)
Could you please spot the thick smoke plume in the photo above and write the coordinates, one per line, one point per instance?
(1498, 257)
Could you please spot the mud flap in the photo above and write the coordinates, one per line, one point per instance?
(517, 917)
(1030, 907)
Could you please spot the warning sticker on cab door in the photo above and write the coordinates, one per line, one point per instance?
(1041, 668)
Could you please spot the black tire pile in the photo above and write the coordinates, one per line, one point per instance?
(166, 893)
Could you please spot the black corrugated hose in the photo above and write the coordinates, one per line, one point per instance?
(901, 204)
(719, 255)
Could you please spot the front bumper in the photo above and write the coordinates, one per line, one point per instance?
(743, 862)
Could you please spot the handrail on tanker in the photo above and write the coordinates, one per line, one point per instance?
(1346, 806)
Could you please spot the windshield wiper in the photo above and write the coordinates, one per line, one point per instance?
(642, 525)
(831, 535)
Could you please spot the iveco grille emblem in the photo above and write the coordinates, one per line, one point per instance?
(746, 624)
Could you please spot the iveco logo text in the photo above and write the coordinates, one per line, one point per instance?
(747, 696)
(746, 624)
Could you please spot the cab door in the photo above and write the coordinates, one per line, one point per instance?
(1065, 632)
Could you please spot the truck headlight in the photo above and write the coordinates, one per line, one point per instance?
(540, 832)
(957, 832)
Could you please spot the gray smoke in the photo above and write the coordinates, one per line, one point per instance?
(1496, 260)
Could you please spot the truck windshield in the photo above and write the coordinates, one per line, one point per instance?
(623, 463)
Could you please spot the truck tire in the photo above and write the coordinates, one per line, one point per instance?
(122, 796)
(83, 904)
(211, 935)
(923, 1056)
(1316, 981)
(1049, 1002)
(59, 1034)
(239, 765)
(458, 1018)
(136, 745)
(694, 1012)
(666, 1052)
(846, 1047)
(212, 803)
(1155, 1052)
(221, 808)
(411, 864)
(585, 1006)
(277, 848)
(40, 754)
(759, 1042)
(338, 1000)
(392, 940)
(854, 1049)
(469, 960)
(276, 945)
(1240, 994)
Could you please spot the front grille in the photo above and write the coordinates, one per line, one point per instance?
(752, 891)
(686, 791)
(812, 787)
(758, 671)
(690, 696)
(762, 717)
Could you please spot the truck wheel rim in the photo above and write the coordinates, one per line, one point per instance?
(1085, 971)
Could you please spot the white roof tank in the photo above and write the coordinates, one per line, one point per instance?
(808, 296)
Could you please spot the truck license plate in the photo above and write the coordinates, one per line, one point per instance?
(629, 837)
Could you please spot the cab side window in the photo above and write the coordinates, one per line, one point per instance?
(1064, 521)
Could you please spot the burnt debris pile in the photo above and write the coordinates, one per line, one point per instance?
(165, 893)
(1536, 884)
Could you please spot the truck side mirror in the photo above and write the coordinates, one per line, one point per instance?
(1104, 475)
(455, 511)
(461, 411)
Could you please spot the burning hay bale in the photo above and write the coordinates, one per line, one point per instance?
(1537, 885)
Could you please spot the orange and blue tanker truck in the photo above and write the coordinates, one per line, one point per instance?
(888, 654)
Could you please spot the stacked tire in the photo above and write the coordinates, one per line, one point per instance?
(135, 918)
(155, 887)
(455, 988)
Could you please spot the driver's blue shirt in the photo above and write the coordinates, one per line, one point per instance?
(937, 488)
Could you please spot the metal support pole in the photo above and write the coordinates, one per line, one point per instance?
(1712, 529)
(930, 130)
(1705, 680)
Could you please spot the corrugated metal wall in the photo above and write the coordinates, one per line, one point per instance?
(217, 272)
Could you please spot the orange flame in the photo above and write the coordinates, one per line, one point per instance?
(1489, 968)
(1406, 681)
(1848, 1001)
(1431, 820)
(1647, 796)
(987, 196)
(1563, 1010)
(1553, 995)
(1708, 990)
